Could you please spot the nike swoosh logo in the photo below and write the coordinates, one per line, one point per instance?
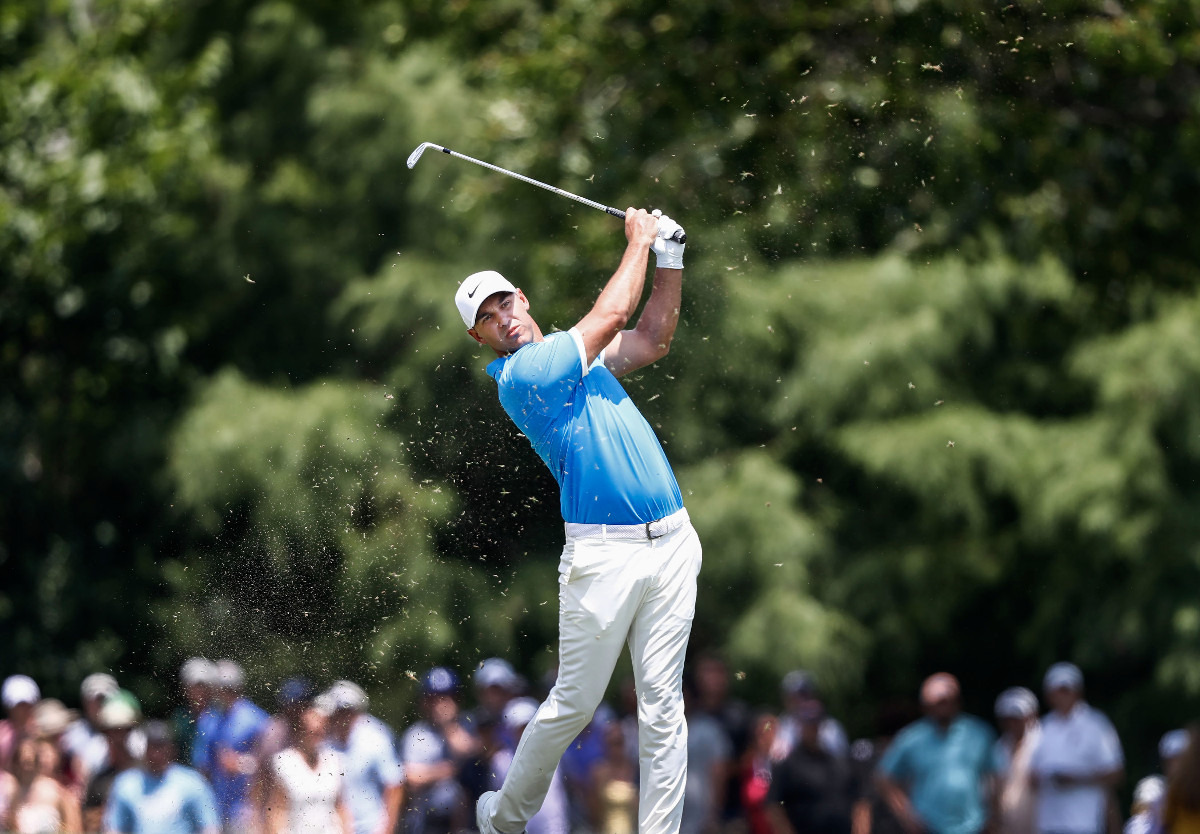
(471, 294)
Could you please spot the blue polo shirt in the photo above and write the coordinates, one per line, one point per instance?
(178, 802)
(609, 465)
(238, 730)
(943, 771)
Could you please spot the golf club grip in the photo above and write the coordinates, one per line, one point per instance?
(680, 235)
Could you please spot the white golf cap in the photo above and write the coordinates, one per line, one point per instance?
(496, 671)
(98, 685)
(19, 689)
(198, 670)
(1150, 791)
(476, 289)
(519, 712)
(1016, 702)
(1173, 743)
(230, 675)
(347, 695)
(1063, 676)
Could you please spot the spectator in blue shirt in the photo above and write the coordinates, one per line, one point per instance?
(161, 797)
(935, 774)
(234, 739)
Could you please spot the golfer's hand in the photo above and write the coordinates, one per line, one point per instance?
(668, 253)
(640, 227)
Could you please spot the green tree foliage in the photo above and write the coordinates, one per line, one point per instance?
(931, 399)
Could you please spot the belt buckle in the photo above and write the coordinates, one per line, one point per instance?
(650, 533)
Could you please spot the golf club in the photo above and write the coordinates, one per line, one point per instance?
(680, 236)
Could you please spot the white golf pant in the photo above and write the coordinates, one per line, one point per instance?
(611, 593)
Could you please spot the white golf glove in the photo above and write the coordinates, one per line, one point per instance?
(668, 253)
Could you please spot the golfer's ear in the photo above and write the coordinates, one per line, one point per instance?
(474, 335)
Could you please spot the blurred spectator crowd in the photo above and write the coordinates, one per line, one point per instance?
(321, 762)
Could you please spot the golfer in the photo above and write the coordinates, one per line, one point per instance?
(629, 565)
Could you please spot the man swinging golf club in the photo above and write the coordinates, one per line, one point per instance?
(629, 565)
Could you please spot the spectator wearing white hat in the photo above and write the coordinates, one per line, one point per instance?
(19, 694)
(1078, 760)
(84, 741)
(1017, 714)
(1145, 816)
(118, 719)
(197, 677)
(374, 778)
(51, 720)
(800, 697)
(232, 762)
(554, 815)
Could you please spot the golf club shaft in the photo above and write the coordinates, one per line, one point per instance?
(412, 161)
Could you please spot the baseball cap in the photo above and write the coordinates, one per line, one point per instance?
(519, 712)
(120, 711)
(1173, 743)
(439, 681)
(799, 682)
(347, 695)
(1150, 791)
(51, 717)
(939, 687)
(1016, 702)
(1063, 676)
(196, 670)
(294, 691)
(230, 675)
(496, 671)
(19, 689)
(98, 685)
(476, 289)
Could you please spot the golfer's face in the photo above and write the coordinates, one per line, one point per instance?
(503, 322)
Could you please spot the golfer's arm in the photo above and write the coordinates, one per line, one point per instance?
(617, 302)
(650, 338)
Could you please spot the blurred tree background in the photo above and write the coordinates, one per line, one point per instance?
(934, 401)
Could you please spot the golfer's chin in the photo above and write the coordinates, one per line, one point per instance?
(518, 340)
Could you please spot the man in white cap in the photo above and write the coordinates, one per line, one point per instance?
(628, 570)
(1078, 760)
(84, 741)
(373, 778)
(197, 677)
(19, 694)
(1017, 714)
(118, 720)
(235, 737)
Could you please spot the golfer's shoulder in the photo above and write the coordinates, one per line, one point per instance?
(536, 361)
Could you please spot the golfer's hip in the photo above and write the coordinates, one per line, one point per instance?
(648, 531)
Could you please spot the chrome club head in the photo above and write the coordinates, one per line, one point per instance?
(415, 155)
